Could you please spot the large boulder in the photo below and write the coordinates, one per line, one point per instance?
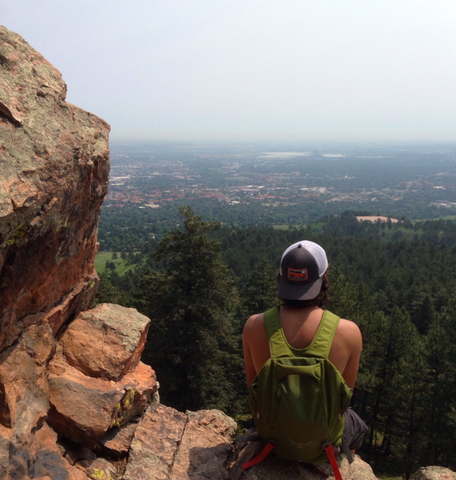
(106, 342)
(433, 473)
(170, 444)
(54, 167)
(43, 396)
(96, 379)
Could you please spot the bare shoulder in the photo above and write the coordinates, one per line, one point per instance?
(253, 324)
(350, 332)
(346, 350)
(255, 343)
(349, 326)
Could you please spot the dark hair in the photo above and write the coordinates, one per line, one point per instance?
(318, 301)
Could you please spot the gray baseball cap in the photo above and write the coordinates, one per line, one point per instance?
(302, 267)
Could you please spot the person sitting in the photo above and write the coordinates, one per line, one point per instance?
(303, 289)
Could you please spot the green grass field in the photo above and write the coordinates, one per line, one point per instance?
(103, 257)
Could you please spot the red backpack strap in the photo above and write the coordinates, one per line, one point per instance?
(330, 449)
(332, 460)
(264, 453)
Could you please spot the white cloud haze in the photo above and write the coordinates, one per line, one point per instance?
(350, 70)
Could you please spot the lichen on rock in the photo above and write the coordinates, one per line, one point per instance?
(54, 167)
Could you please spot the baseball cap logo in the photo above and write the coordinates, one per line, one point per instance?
(298, 275)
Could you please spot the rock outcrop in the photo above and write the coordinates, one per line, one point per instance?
(433, 473)
(76, 402)
(93, 367)
(54, 163)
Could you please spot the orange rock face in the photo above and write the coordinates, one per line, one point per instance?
(96, 379)
(118, 333)
(54, 167)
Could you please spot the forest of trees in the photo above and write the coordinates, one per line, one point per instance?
(200, 282)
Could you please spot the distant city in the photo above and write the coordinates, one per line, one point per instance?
(151, 176)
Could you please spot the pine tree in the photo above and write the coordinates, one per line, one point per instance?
(260, 291)
(388, 393)
(440, 419)
(108, 292)
(193, 339)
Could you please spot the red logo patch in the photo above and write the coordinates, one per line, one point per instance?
(298, 275)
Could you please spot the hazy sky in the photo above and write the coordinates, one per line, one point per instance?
(351, 70)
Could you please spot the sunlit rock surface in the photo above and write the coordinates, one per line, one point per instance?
(54, 166)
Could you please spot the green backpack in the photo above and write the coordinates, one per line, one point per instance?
(298, 399)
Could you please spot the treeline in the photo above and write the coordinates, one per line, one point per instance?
(201, 282)
(127, 228)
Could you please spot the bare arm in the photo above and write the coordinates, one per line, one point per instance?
(354, 341)
(247, 339)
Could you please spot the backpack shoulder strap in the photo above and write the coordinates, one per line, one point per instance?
(278, 345)
(320, 346)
